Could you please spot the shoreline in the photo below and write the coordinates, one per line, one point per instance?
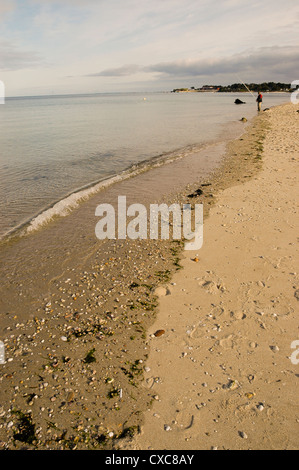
(42, 202)
(227, 381)
(63, 206)
(84, 304)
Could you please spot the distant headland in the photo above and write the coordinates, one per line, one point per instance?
(239, 88)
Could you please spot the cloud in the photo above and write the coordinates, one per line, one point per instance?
(273, 60)
(14, 58)
(123, 71)
(153, 44)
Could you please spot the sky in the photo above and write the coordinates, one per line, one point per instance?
(87, 46)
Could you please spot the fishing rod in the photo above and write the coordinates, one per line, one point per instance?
(246, 87)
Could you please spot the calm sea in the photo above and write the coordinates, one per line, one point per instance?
(52, 146)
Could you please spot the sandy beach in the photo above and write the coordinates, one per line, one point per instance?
(226, 378)
(85, 367)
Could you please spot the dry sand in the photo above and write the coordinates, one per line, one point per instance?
(222, 373)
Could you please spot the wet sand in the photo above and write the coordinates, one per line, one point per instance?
(76, 312)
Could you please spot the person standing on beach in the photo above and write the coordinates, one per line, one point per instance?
(259, 101)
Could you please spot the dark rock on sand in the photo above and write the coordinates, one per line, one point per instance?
(197, 193)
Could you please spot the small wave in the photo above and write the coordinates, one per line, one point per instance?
(65, 206)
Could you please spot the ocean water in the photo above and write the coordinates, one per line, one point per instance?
(52, 146)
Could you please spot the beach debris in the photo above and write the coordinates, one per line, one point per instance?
(191, 423)
(159, 333)
(232, 385)
(195, 259)
(109, 380)
(250, 395)
(26, 431)
(243, 119)
(196, 193)
(89, 358)
(70, 397)
(237, 101)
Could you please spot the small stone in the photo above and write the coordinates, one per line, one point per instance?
(167, 428)
(243, 435)
(70, 397)
(159, 333)
(274, 348)
(63, 338)
(260, 407)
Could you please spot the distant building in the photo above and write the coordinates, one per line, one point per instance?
(208, 88)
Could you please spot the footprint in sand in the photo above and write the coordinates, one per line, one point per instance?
(212, 287)
(162, 291)
(228, 342)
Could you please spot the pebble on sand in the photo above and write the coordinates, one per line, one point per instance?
(159, 333)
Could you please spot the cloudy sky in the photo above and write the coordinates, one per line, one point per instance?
(83, 46)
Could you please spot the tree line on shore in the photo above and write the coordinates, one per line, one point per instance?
(265, 86)
(241, 87)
